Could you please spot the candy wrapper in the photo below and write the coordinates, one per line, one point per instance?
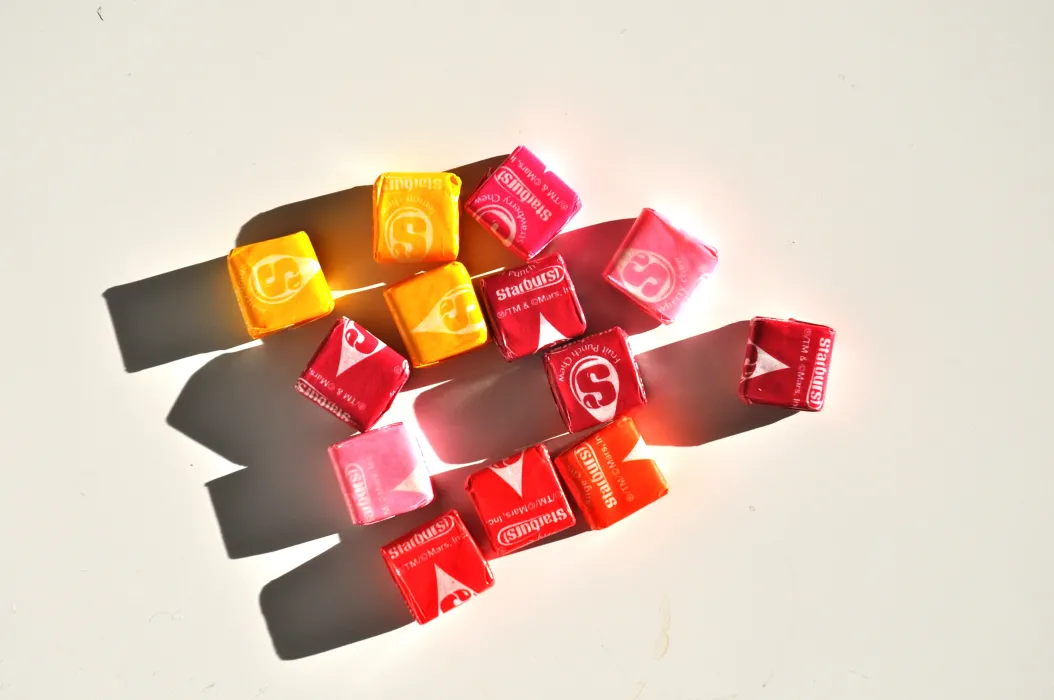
(659, 266)
(519, 500)
(523, 204)
(353, 375)
(382, 474)
(415, 217)
(532, 307)
(611, 474)
(437, 567)
(787, 364)
(438, 314)
(279, 284)
(594, 379)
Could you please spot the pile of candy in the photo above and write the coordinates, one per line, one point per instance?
(595, 380)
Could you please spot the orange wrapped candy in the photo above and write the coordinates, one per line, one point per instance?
(611, 475)
(279, 284)
(438, 314)
(415, 217)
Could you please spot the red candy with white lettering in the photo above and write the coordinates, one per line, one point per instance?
(353, 375)
(523, 204)
(532, 307)
(787, 364)
(520, 500)
(594, 379)
(659, 266)
(437, 567)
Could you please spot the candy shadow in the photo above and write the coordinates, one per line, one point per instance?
(346, 595)
(692, 388)
(193, 310)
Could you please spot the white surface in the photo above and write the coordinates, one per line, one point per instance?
(884, 169)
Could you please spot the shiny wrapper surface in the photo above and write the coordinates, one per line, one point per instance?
(523, 204)
(437, 567)
(532, 307)
(382, 474)
(611, 474)
(787, 364)
(353, 375)
(438, 314)
(659, 267)
(415, 217)
(594, 379)
(519, 500)
(279, 284)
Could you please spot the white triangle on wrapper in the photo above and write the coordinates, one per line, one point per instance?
(307, 268)
(349, 355)
(433, 321)
(547, 334)
(412, 483)
(640, 452)
(447, 586)
(511, 474)
(765, 363)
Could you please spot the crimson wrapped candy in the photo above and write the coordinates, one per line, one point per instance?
(353, 375)
(532, 307)
(594, 379)
(787, 363)
(437, 567)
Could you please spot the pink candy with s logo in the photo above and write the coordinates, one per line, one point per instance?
(658, 266)
(523, 204)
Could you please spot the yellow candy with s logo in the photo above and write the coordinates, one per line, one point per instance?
(279, 284)
(438, 314)
(415, 217)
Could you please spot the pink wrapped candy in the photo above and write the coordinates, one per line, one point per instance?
(353, 375)
(382, 474)
(658, 266)
(523, 204)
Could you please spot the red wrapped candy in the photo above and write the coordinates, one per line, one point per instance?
(532, 307)
(523, 204)
(658, 266)
(520, 500)
(787, 363)
(594, 379)
(353, 375)
(437, 567)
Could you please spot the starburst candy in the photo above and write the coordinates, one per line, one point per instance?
(787, 364)
(415, 217)
(611, 474)
(438, 314)
(279, 284)
(437, 567)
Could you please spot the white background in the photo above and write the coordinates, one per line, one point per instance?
(883, 167)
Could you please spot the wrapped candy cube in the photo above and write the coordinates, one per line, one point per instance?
(415, 217)
(594, 379)
(382, 474)
(532, 307)
(353, 375)
(279, 284)
(438, 314)
(787, 364)
(611, 474)
(437, 567)
(523, 204)
(659, 266)
(519, 500)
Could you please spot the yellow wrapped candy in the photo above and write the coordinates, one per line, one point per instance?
(415, 217)
(438, 314)
(279, 284)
